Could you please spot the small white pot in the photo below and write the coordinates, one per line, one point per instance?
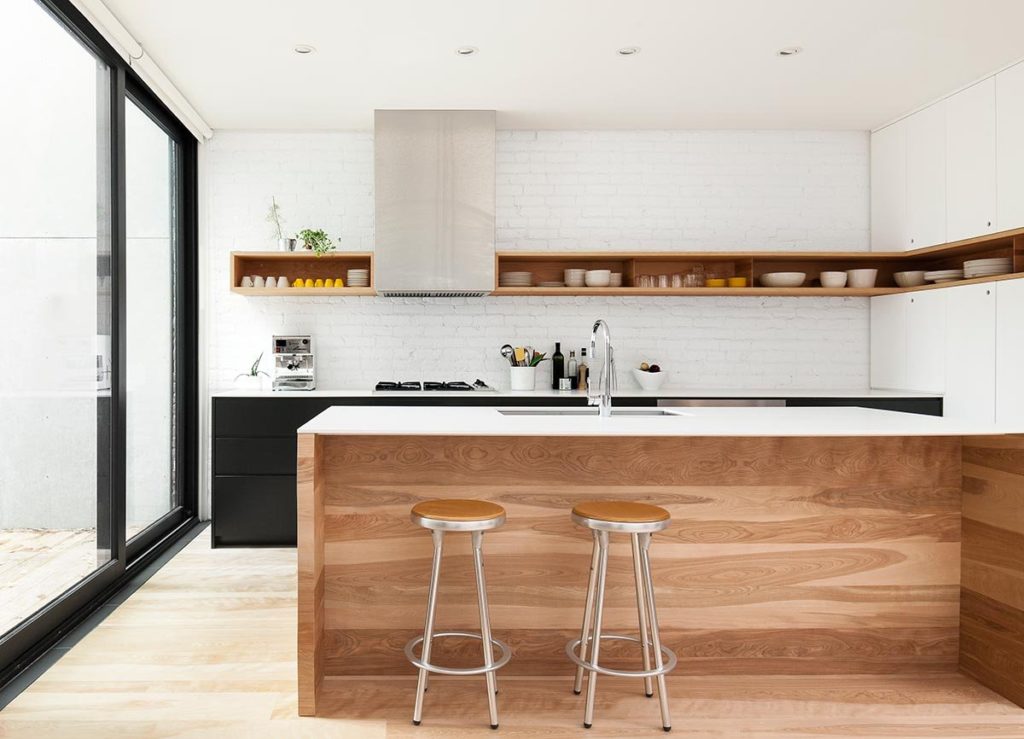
(249, 382)
(833, 279)
(523, 378)
(862, 277)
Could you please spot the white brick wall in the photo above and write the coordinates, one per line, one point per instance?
(563, 190)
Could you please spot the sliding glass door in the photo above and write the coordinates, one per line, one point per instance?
(98, 305)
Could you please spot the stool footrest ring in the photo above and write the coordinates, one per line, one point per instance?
(670, 658)
(410, 653)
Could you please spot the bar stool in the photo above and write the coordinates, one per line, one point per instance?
(458, 516)
(640, 521)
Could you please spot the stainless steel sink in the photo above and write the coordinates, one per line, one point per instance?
(586, 412)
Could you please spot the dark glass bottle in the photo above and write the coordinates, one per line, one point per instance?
(557, 366)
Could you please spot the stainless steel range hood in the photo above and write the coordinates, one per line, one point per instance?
(434, 174)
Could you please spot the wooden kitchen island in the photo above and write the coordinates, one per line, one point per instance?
(804, 541)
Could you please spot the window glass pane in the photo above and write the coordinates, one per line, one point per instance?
(55, 304)
(150, 161)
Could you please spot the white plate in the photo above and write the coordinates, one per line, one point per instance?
(783, 279)
(988, 262)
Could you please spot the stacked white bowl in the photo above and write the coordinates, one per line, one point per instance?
(575, 277)
(358, 278)
(987, 267)
(515, 279)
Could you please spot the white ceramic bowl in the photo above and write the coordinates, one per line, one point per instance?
(598, 277)
(616, 279)
(912, 278)
(832, 279)
(783, 279)
(648, 380)
(862, 277)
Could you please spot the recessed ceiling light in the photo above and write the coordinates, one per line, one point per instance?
(789, 51)
(304, 49)
(466, 50)
(629, 50)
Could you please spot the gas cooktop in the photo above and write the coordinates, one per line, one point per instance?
(415, 386)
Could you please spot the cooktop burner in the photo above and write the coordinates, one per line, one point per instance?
(388, 386)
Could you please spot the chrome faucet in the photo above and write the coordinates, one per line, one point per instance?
(606, 377)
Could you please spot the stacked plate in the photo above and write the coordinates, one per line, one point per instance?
(515, 279)
(987, 267)
(551, 283)
(358, 278)
(574, 277)
(944, 275)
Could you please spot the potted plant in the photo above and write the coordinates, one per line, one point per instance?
(317, 240)
(253, 379)
(274, 217)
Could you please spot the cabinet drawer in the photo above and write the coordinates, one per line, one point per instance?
(254, 511)
(260, 417)
(273, 456)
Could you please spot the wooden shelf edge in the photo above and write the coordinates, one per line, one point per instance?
(302, 255)
(302, 292)
(820, 292)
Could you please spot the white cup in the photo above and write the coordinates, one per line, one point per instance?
(282, 281)
(247, 281)
(258, 281)
(271, 282)
(833, 279)
(523, 378)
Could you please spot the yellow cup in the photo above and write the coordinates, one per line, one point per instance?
(328, 282)
(309, 282)
(737, 282)
(318, 283)
(338, 282)
(298, 282)
(714, 282)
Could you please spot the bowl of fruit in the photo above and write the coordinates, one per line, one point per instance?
(649, 376)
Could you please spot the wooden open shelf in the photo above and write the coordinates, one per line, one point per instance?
(295, 264)
(549, 266)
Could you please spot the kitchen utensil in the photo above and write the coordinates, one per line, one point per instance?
(910, 278)
(520, 355)
(861, 277)
(833, 279)
(537, 358)
(783, 279)
(507, 352)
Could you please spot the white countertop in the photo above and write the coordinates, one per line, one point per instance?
(484, 421)
(665, 392)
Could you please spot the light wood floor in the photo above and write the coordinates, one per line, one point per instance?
(207, 649)
(37, 565)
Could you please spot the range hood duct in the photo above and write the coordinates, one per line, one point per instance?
(434, 202)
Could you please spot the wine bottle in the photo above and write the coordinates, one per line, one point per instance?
(581, 381)
(557, 365)
(572, 370)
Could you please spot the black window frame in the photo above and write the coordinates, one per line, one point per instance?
(27, 642)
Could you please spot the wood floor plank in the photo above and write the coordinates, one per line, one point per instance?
(207, 649)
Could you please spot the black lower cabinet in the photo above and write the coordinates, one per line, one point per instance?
(254, 450)
(250, 510)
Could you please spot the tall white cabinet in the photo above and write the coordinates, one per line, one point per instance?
(1010, 147)
(971, 353)
(926, 177)
(971, 161)
(889, 228)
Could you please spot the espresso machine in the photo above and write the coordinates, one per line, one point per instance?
(294, 368)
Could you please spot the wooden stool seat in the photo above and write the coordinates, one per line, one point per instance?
(458, 510)
(620, 512)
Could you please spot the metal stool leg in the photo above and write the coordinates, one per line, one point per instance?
(485, 625)
(602, 571)
(641, 609)
(666, 720)
(588, 614)
(428, 626)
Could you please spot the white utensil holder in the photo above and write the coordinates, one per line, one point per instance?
(523, 378)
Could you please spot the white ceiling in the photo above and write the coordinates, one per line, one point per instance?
(552, 63)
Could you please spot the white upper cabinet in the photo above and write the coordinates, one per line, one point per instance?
(1009, 351)
(889, 188)
(1010, 147)
(926, 177)
(970, 392)
(971, 161)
